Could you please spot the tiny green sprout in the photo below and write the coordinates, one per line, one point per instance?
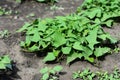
(50, 73)
(86, 74)
(54, 7)
(115, 50)
(2, 11)
(4, 33)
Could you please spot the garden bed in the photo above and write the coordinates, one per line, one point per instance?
(28, 63)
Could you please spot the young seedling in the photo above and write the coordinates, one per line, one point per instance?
(4, 33)
(54, 7)
(8, 69)
(1, 11)
(84, 75)
(88, 75)
(50, 73)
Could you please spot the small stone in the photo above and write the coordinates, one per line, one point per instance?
(16, 17)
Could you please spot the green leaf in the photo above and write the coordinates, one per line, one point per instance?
(112, 40)
(87, 52)
(58, 39)
(99, 12)
(91, 14)
(71, 57)
(31, 30)
(92, 38)
(44, 70)
(52, 72)
(101, 51)
(108, 36)
(25, 27)
(84, 21)
(28, 40)
(90, 59)
(1, 12)
(45, 76)
(6, 59)
(109, 23)
(42, 26)
(66, 50)
(105, 17)
(36, 37)
(22, 44)
(2, 65)
(103, 36)
(77, 46)
(56, 53)
(43, 44)
(88, 1)
(50, 57)
(97, 20)
(33, 48)
(58, 68)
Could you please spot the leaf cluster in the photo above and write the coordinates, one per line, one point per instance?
(115, 75)
(73, 36)
(3, 11)
(50, 73)
(8, 69)
(102, 12)
(5, 62)
(84, 75)
(88, 75)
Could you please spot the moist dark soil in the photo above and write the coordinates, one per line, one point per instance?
(29, 64)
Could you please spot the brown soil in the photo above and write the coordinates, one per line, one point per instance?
(29, 65)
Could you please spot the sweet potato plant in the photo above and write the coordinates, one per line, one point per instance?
(103, 12)
(78, 35)
(73, 36)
